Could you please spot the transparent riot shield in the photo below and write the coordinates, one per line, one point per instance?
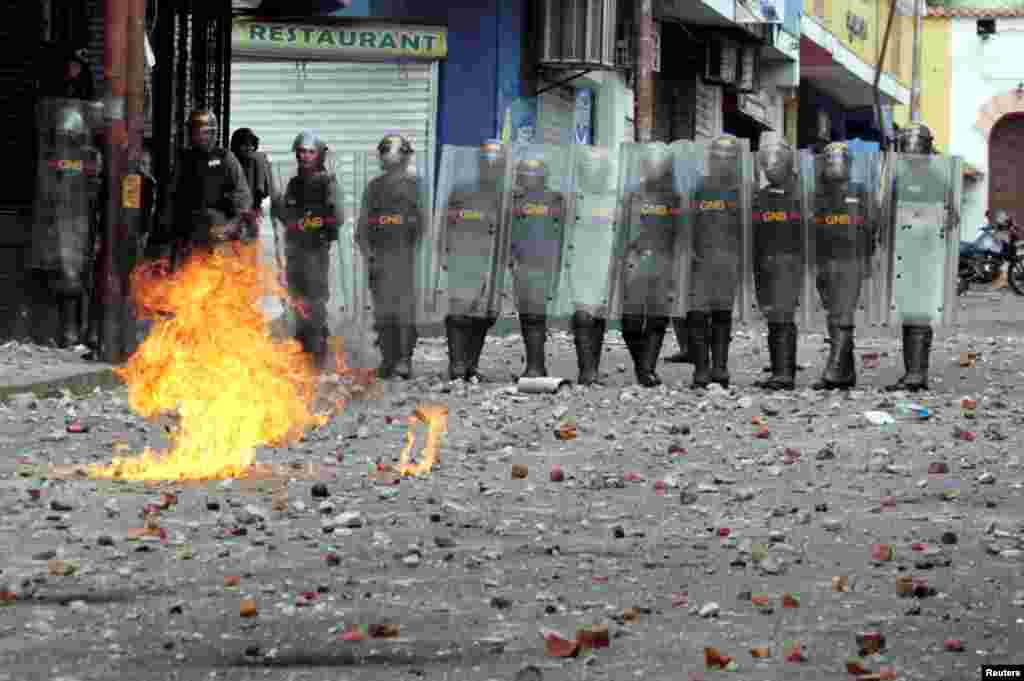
(590, 263)
(923, 237)
(537, 202)
(67, 182)
(845, 229)
(719, 213)
(656, 181)
(775, 284)
(393, 234)
(469, 235)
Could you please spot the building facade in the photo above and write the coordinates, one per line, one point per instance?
(840, 45)
(974, 101)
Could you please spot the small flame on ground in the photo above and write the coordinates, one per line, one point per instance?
(211, 359)
(435, 417)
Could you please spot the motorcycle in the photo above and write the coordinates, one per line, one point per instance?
(1000, 244)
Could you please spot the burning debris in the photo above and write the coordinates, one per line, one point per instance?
(210, 358)
(436, 419)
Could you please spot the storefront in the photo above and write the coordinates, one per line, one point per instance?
(351, 81)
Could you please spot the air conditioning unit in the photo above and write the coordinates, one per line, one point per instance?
(578, 33)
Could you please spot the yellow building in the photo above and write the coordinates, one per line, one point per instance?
(839, 51)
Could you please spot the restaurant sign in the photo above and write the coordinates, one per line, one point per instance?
(311, 41)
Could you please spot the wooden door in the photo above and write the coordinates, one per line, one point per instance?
(1006, 174)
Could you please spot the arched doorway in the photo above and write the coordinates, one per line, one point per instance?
(1006, 174)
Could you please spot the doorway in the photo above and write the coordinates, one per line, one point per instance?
(1006, 177)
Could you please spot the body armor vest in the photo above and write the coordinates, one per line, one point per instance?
(205, 181)
(778, 222)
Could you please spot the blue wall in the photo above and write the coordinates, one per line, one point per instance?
(481, 76)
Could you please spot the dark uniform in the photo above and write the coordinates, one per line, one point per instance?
(842, 236)
(471, 255)
(312, 212)
(208, 193)
(391, 225)
(256, 167)
(652, 215)
(779, 262)
(67, 184)
(717, 262)
(538, 228)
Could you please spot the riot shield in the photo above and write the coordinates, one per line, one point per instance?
(589, 269)
(536, 214)
(470, 237)
(655, 182)
(845, 224)
(775, 289)
(394, 235)
(719, 213)
(67, 182)
(923, 240)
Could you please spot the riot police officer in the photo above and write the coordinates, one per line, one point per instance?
(779, 263)
(390, 228)
(208, 193)
(921, 186)
(651, 216)
(717, 262)
(62, 230)
(538, 228)
(843, 235)
(472, 224)
(312, 212)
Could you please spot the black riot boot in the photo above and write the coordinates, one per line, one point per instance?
(386, 342)
(841, 371)
(535, 335)
(69, 331)
(633, 337)
(477, 340)
(681, 327)
(782, 350)
(699, 345)
(583, 326)
(917, 348)
(597, 345)
(721, 337)
(654, 337)
(405, 345)
(458, 330)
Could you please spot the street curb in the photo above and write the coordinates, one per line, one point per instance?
(79, 383)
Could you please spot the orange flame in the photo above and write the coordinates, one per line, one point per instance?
(210, 357)
(435, 416)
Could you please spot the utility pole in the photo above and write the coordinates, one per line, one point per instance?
(643, 107)
(915, 87)
(123, 62)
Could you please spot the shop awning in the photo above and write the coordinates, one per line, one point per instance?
(839, 72)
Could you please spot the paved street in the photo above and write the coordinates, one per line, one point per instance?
(685, 520)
